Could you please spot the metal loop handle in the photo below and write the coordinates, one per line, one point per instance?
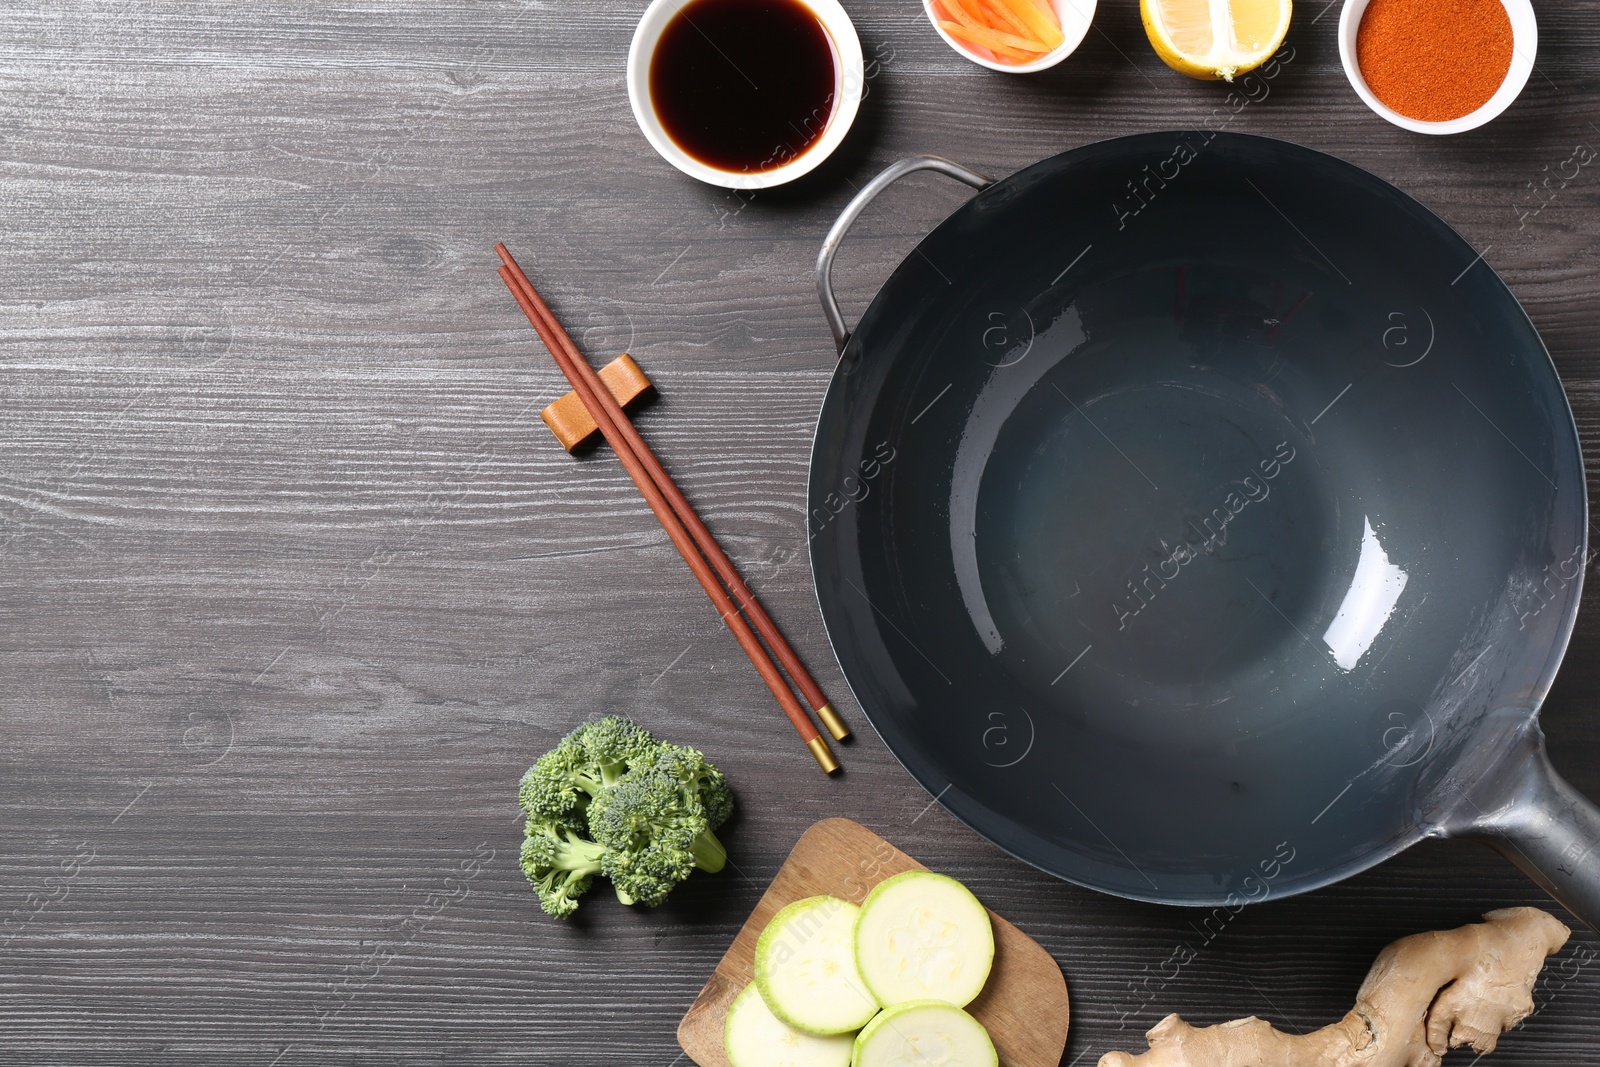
(853, 210)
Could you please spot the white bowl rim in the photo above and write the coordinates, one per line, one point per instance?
(835, 21)
(1524, 50)
(1080, 11)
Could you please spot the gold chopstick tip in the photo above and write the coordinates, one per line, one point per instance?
(831, 720)
(824, 756)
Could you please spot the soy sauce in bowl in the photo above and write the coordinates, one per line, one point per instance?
(745, 86)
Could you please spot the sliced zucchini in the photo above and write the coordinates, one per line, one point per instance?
(806, 967)
(923, 936)
(928, 1033)
(754, 1037)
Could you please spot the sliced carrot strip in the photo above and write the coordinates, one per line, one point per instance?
(974, 15)
(1048, 10)
(1040, 25)
(1012, 55)
(999, 17)
(991, 39)
(960, 14)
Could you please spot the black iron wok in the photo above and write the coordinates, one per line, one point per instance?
(1198, 517)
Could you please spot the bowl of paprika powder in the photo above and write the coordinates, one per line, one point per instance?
(1438, 66)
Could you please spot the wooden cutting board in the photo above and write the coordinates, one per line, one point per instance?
(1024, 1004)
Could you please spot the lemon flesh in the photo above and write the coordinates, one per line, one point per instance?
(1214, 39)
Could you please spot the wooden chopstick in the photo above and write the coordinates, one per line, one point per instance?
(703, 538)
(669, 520)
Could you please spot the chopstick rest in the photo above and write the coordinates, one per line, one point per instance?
(571, 422)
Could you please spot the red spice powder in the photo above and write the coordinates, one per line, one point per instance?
(1434, 60)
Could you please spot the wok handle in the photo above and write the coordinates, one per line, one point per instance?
(1543, 825)
(869, 192)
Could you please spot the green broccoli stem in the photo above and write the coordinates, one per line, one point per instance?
(589, 785)
(611, 771)
(709, 855)
(580, 856)
(624, 897)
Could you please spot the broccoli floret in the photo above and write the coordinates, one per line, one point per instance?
(615, 744)
(656, 826)
(714, 792)
(588, 761)
(610, 799)
(560, 863)
(645, 876)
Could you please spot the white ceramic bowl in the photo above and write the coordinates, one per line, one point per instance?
(1524, 46)
(852, 75)
(1075, 16)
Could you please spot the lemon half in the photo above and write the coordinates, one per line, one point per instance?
(1215, 38)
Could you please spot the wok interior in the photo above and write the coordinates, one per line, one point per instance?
(1218, 543)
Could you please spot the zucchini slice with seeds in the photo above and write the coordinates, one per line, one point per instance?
(806, 967)
(923, 936)
(754, 1037)
(927, 1033)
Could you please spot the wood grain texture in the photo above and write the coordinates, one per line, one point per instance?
(1024, 1005)
(291, 574)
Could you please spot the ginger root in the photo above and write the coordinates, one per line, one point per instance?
(1425, 994)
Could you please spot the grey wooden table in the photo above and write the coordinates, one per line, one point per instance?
(294, 584)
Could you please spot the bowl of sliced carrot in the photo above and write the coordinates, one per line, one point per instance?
(1014, 36)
